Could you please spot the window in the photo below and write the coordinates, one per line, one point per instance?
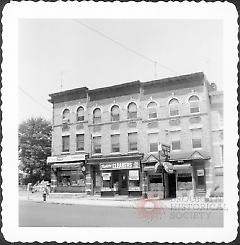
(80, 142)
(152, 110)
(66, 116)
(173, 107)
(132, 142)
(97, 116)
(197, 138)
(115, 143)
(194, 104)
(97, 144)
(132, 110)
(65, 143)
(153, 142)
(115, 113)
(184, 181)
(80, 114)
(176, 145)
(175, 139)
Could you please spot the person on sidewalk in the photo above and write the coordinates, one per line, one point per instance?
(45, 193)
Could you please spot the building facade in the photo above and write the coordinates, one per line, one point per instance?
(113, 140)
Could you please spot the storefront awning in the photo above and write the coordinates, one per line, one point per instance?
(66, 158)
(182, 167)
(189, 155)
(66, 165)
(168, 167)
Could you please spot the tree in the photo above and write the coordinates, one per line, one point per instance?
(34, 148)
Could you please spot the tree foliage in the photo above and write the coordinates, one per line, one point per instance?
(34, 148)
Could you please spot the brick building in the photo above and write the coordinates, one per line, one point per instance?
(111, 140)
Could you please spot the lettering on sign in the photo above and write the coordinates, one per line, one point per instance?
(119, 165)
(200, 172)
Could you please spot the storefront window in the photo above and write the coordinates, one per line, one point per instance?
(106, 178)
(155, 182)
(184, 181)
(70, 178)
(134, 180)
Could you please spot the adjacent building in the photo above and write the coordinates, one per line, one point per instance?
(111, 141)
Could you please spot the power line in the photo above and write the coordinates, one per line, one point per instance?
(127, 48)
(33, 99)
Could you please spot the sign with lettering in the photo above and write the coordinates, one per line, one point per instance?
(200, 172)
(133, 174)
(134, 188)
(67, 158)
(119, 165)
(106, 176)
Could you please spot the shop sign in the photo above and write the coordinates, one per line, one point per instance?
(67, 158)
(106, 176)
(134, 188)
(119, 165)
(200, 172)
(133, 174)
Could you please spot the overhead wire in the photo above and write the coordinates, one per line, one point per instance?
(154, 62)
(33, 99)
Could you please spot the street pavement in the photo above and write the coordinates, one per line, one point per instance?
(89, 212)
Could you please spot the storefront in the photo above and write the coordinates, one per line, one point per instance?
(68, 173)
(159, 178)
(116, 175)
(190, 169)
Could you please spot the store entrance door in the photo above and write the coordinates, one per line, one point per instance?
(172, 185)
(123, 183)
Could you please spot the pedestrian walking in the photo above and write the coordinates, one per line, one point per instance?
(45, 192)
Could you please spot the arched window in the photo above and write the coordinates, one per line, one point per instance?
(97, 116)
(152, 110)
(173, 107)
(132, 110)
(66, 115)
(194, 104)
(80, 114)
(115, 113)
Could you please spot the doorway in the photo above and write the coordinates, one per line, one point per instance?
(172, 185)
(123, 182)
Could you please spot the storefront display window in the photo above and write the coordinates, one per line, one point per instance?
(155, 182)
(71, 178)
(134, 180)
(106, 177)
(184, 181)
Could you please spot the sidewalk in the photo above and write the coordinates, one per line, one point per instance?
(126, 202)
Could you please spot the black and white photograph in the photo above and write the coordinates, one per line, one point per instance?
(119, 121)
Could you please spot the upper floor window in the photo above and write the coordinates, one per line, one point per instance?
(173, 107)
(115, 115)
(132, 142)
(175, 140)
(66, 115)
(80, 142)
(132, 110)
(197, 138)
(194, 104)
(153, 142)
(80, 114)
(97, 116)
(115, 143)
(152, 110)
(65, 143)
(97, 144)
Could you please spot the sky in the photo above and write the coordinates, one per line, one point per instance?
(59, 54)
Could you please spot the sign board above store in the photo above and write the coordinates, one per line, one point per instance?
(67, 158)
(119, 165)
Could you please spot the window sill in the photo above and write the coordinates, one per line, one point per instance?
(130, 152)
(96, 154)
(197, 148)
(115, 153)
(78, 151)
